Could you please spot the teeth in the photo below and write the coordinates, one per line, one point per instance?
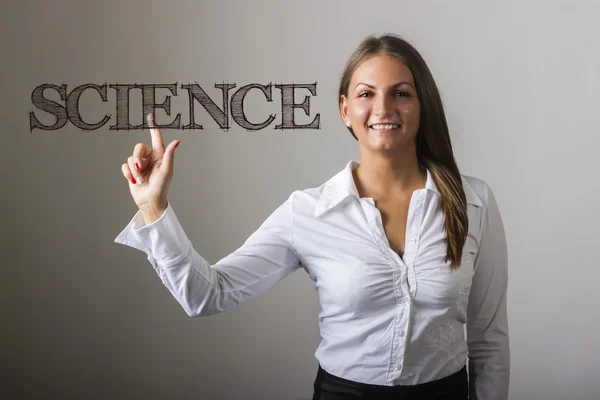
(385, 126)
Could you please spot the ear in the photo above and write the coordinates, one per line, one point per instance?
(344, 110)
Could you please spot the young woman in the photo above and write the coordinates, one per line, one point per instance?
(403, 249)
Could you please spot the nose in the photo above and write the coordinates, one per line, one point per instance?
(382, 106)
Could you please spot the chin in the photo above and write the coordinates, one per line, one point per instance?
(380, 142)
(380, 146)
(387, 146)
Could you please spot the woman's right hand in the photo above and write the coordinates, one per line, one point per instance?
(149, 172)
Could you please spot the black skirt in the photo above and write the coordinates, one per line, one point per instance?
(330, 387)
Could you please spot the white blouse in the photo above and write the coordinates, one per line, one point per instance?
(384, 319)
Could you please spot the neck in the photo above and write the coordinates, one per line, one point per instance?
(381, 176)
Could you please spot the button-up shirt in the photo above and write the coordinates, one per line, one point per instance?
(383, 319)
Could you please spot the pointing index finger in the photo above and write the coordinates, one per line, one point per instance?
(157, 140)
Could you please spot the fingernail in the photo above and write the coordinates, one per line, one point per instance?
(177, 144)
(140, 180)
(133, 180)
(137, 166)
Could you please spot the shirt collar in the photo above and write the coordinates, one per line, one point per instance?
(341, 186)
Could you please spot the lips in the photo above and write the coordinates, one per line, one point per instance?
(384, 127)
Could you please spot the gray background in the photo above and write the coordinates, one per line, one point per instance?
(84, 317)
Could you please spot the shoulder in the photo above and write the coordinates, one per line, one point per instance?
(477, 188)
(305, 200)
(316, 200)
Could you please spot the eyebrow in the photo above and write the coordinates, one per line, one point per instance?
(373, 87)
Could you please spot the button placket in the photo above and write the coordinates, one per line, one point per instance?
(398, 365)
(400, 282)
(409, 282)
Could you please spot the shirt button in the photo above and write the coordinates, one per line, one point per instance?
(404, 300)
(414, 240)
(402, 333)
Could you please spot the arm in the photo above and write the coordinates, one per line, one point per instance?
(487, 326)
(264, 259)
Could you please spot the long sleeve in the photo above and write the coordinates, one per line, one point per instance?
(265, 258)
(487, 320)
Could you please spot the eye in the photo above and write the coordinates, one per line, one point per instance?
(364, 94)
(402, 94)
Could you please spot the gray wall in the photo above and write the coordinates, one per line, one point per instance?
(88, 318)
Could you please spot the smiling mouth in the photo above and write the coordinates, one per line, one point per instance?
(384, 127)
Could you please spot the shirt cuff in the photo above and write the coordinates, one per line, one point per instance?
(164, 239)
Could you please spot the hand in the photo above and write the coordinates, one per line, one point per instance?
(149, 172)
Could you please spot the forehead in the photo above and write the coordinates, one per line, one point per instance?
(382, 69)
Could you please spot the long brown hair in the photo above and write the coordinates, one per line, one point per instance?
(434, 150)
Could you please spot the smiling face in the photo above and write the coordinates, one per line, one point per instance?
(382, 106)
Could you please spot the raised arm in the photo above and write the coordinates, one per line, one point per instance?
(202, 289)
(265, 258)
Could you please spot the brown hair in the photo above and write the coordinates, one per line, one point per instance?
(434, 150)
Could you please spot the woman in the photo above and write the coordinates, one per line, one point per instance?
(403, 250)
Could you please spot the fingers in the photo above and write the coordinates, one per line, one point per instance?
(137, 175)
(157, 140)
(141, 160)
(127, 173)
(136, 165)
(169, 155)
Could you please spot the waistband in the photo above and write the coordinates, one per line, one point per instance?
(455, 383)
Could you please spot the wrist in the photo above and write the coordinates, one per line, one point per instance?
(152, 212)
